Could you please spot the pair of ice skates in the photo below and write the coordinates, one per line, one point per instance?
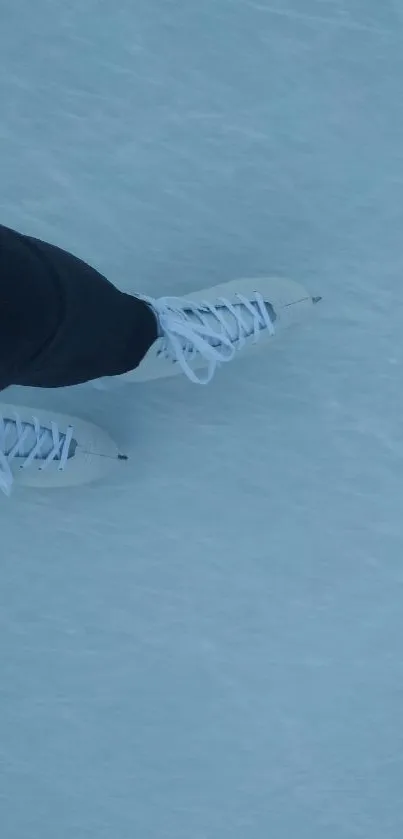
(197, 333)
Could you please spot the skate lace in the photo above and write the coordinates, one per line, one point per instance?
(188, 330)
(30, 442)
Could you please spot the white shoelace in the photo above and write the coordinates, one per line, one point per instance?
(214, 332)
(32, 442)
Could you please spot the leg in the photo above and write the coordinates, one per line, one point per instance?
(61, 322)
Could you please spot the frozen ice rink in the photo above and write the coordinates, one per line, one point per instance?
(209, 646)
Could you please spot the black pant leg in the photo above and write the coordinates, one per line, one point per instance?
(61, 322)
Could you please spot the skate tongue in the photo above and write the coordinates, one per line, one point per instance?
(11, 435)
(232, 325)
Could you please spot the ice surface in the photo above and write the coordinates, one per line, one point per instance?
(210, 646)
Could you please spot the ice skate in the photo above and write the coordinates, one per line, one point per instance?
(204, 330)
(44, 450)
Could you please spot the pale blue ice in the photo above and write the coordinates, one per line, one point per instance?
(210, 646)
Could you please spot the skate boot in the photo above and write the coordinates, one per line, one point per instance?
(45, 450)
(204, 330)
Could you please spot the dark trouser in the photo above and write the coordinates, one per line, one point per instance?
(61, 322)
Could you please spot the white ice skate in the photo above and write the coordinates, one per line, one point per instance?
(43, 449)
(210, 327)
